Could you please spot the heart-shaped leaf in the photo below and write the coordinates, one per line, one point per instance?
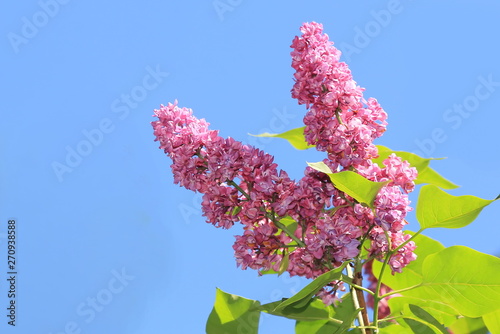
(436, 208)
(463, 278)
(233, 314)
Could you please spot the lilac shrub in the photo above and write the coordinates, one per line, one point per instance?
(242, 184)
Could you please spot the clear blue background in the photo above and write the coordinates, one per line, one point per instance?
(116, 212)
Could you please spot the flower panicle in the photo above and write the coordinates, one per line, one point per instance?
(242, 184)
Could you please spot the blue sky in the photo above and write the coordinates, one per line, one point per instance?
(106, 242)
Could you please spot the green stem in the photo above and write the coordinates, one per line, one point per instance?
(351, 203)
(269, 215)
(359, 287)
(389, 242)
(363, 239)
(393, 292)
(285, 229)
(234, 184)
(337, 115)
(376, 297)
(388, 319)
(407, 241)
(290, 246)
(331, 212)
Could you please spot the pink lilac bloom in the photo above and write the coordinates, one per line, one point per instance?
(257, 248)
(339, 120)
(218, 205)
(329, 293)
(242, 184)
(184, 138)
(392, 203)
(400, 173)
(391, 208)
(380, 246)
(404, 255)
(320, 78)
(342, 123)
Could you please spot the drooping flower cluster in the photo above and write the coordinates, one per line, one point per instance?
(242, 184)
(342, 123)
(305, 227)
(337, 122)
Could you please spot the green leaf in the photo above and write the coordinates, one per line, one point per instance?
(444, 313)
(463, 278)
(321, 327)
(315, 327)
(395, 329)
(415, 161)
(304, 296)
(320, 167)
(365, 249)
(420, 321)
(430, 176)
(351, 183)
(236, 210)
(469, 326)
(458, 267)
(347, 322)
(233, 314)
(295, 137)
(268, 272)
(436, 208)
(346, 312)
(343, 316)
(356, 186)
(492, 321)
(284, 263)
(425, 173)
(289, 223)
(313, 311)
(427, 318)
(418, 326)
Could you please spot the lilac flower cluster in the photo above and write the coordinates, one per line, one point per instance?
(337, 122)
(309, 222)
(342, 123)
